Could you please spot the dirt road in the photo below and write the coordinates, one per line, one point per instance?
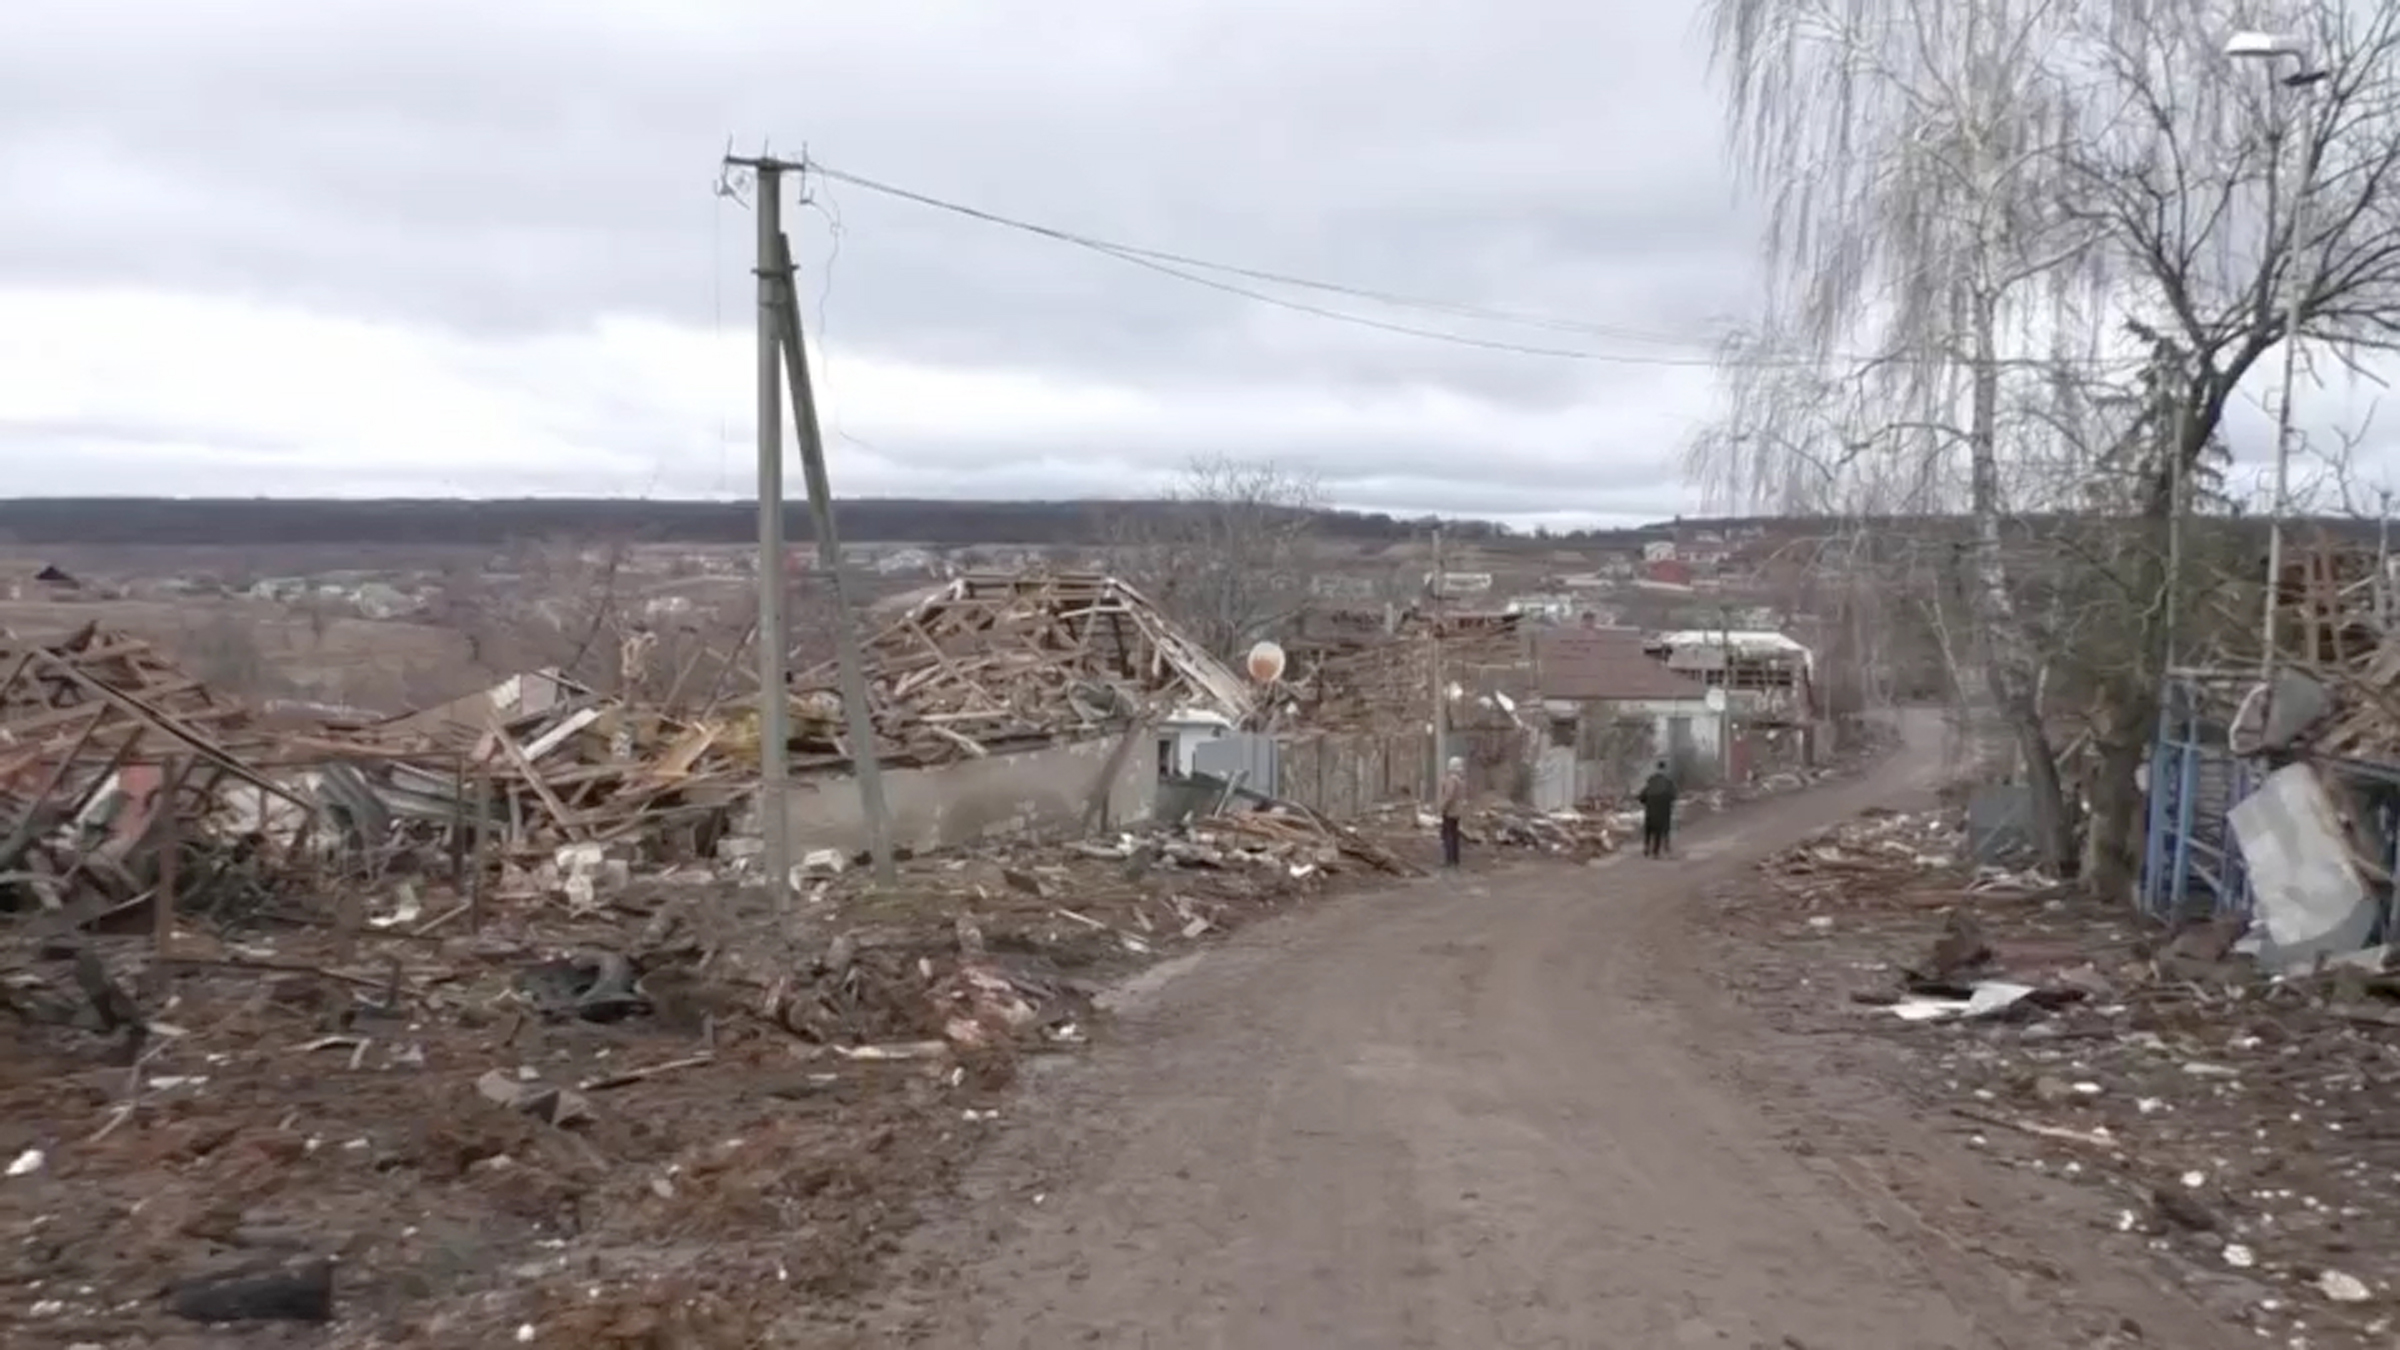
(1510, 1111)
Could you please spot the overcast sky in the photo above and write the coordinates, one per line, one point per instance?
(363, 248)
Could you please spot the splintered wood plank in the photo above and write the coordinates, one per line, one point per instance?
(533, 779)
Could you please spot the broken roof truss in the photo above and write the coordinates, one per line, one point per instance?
(998, 661)
(81, 720)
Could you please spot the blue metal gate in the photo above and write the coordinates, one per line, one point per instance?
(2191, 865)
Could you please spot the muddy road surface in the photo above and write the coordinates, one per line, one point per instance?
(1512, 1110)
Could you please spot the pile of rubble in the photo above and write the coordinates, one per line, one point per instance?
(330, 1122)
(532, 764)
(110, 758)
(1871, 845)
(122, 779)
(2230, 1117)
(998, 661)
(1376, 680)
(1881, 852)
(2342, 658)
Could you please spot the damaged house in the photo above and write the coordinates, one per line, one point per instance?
(1614, 709)
(1353, 720)
(2282, 814)
(1006, 703)
(1769, 679)
(106, 751)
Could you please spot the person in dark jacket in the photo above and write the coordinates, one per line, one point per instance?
(1658, 811)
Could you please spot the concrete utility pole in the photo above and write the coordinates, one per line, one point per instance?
(2383, 556)
(1441, 692)
(2285, 94)
(774, 700)
(781, 356)
(865, 764)
(1725, 689)
(2177, 429)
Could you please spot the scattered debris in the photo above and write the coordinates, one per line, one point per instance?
(2243, 1107)
(560, 779)
(1986, 998)
(1505, 825)
(544, 1102)
(406, 959)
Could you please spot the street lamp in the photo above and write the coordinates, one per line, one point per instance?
(2270, 48)
(2253, 45)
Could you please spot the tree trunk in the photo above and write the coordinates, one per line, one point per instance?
(2008, 663)
(2127, 716)
(2119, 824)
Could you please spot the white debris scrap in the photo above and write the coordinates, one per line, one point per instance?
(1988, 999)
(2343, 1288)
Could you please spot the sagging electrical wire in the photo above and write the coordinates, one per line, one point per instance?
(1188, 268)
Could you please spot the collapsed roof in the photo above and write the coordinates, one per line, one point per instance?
(81, 719)
(995, 661)
(1383, 681)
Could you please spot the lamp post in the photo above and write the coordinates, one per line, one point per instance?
(2271, 49)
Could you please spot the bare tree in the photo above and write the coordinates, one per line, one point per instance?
(1908, 154)
(222, 650)
(2072, 224)
(2195, 180)
(2197, 183)
(556, 604)
(1229, 553)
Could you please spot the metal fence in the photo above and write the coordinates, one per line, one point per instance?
(2191, 866)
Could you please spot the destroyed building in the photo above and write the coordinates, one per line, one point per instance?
(2284, 807)
(1005, 703)
(1613, 709)
(1764, 673)
(1769, 681)
(1353, 719)
(105, 748)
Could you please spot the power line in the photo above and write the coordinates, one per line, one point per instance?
(1187, 267)
(1132, 252)
(1184, 267)
(1386, 325)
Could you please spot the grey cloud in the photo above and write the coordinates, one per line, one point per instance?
(519, 169)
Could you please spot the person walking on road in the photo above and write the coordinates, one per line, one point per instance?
(1450, 796)
(1658, 811)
